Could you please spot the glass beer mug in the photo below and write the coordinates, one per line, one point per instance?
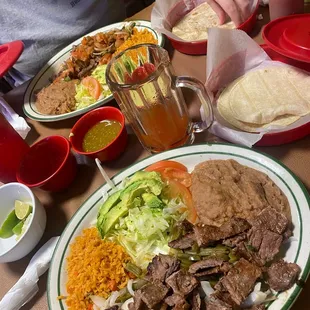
(142, 82)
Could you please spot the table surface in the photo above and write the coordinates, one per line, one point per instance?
(61, 206)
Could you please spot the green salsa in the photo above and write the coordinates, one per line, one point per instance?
(100, 135)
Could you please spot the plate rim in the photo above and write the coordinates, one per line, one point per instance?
(30, 87)
(306, 272)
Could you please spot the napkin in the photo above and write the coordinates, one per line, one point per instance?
(16, 121)
(231, 54)
(26, 287)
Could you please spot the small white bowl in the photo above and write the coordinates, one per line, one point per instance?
(10, 248)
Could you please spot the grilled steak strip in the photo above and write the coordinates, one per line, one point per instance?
(205, 274)
(243, 250)
(207, 235)
(240, 280)
(175, 299)
(137, 303)
(195, 300)
(161, 267)
(182, 282)
(217, 304)
(270, 219)
(265, 242)
(282, 275)
(184, 242)
(236, 240)
(204, 264)
(152, 294)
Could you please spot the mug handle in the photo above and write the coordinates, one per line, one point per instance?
(199, 89)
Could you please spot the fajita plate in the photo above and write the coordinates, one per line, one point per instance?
(298, 197)
(44, 76)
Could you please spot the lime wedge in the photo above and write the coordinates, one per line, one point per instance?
(26, 223)
(22, 209)
(17, 229)
(6, 230)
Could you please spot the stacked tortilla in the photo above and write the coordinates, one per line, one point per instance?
(273, 97)
(194, 25)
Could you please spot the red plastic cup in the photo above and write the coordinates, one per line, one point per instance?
(12, 150)
(49, 165)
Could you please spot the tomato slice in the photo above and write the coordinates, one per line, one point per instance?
(149, 67)
(93, 86)
(127, 78)
(160, 165)
(139, 74)
(176, 189)
(177, 175)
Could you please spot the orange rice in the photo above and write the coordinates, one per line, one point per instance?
(137, 37)
(94, 267)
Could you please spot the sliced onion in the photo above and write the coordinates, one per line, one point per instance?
(98, 301)
(112, 298)
(257, 297)
(207, 288)
(129, 287)
(126, 303)
(257, 287)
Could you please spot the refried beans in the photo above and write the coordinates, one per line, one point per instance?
(57, 98)
(223, 189)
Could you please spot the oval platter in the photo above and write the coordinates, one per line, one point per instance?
(44, 76)
(298, 197)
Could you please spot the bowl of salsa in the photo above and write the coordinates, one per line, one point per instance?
(101, 133)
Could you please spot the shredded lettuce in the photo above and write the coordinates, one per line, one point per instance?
(83, 98)
(145, 231)
(99, 74)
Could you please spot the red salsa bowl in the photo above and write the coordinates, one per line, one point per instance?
(111, 151)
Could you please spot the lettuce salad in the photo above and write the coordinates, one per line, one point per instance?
(146, 231)
(141, 218)
(83, 97)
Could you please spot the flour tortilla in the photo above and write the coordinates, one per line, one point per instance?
(194, 26)
(259, 111)
(261, 96)
(281, 121)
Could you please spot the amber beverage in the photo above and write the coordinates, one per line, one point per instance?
(164, 127)
(149, 95)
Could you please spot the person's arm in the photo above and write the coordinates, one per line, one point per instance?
(237, 10)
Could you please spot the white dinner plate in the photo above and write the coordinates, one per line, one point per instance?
(298, 197)
(43, 78)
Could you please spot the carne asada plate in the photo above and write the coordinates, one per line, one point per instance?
(73, 81)
(285, 190)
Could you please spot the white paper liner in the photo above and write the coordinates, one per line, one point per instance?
(166, 13)
(231, 54)
(26, 287)
(16, 121)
